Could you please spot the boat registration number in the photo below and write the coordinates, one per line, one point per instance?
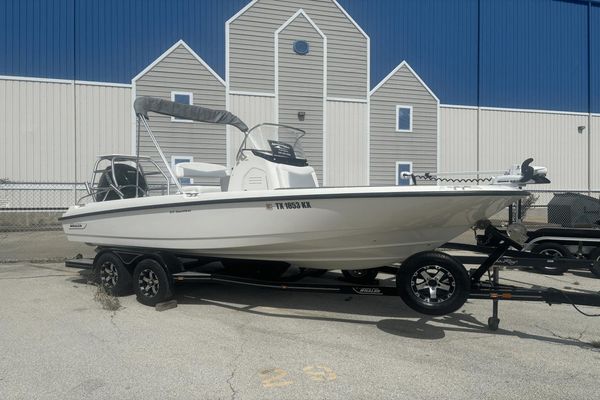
(289, 205)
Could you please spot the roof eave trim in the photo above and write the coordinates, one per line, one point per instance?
(412, 71)
(180, 42)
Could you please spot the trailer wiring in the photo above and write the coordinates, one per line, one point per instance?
(566, 296)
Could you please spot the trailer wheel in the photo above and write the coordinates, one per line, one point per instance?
(151, 282)
(595, 256)
(433, 283)
(555, 250)
(360, 275)
(112, 274)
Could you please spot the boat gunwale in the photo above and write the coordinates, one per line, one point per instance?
(314, 196)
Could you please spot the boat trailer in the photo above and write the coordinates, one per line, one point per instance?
(180, 269)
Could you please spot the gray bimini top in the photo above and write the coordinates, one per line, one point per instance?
(186, 111)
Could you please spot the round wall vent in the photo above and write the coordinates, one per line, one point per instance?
(301, 47)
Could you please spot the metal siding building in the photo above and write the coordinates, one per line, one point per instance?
(521, 42)
(514, 78)
(261, 63)
(251, 41)
(52, 131)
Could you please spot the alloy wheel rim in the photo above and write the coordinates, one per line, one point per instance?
(149, 283)
(433, 284)
(109, 274)
(552, 253)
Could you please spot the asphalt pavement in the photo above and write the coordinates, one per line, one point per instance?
(57, 342)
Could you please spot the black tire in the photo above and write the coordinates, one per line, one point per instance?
(360, 275)
(270, 270)
(151, 282)
(112, 275)
(446, 275)
(595, 256)
(555, 250)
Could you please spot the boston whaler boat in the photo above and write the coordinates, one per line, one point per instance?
(269, 211)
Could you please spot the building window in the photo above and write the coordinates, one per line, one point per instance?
(181, 159)
(183, 98)
(403, 166)
(404, 118)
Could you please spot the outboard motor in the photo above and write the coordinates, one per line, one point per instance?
(124, 180)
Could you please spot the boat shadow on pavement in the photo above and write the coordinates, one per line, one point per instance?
(397, 318)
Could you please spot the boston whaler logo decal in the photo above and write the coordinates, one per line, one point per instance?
(367, 290)
(77, 226)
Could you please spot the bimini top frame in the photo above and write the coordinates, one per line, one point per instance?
(142, 105)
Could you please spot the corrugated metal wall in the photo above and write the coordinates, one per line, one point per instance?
(103, 125)
(595, 57)
(509, 137)
(347, 143)
(37, 131)
(437, 38)
(37, 122)
(533, 52)
(458, 139)
(595, 160)
(36, 38)
(108, 40)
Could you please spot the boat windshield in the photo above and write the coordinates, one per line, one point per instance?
(275, 140)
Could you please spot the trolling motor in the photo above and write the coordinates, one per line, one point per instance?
(524, 174)
(518, 175)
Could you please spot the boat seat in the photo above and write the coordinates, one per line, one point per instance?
(200, 170)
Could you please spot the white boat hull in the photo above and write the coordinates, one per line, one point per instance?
(327, 228)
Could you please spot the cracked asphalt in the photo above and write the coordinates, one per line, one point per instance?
(57, 342)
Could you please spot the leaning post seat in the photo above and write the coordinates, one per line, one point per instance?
(203, 170)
